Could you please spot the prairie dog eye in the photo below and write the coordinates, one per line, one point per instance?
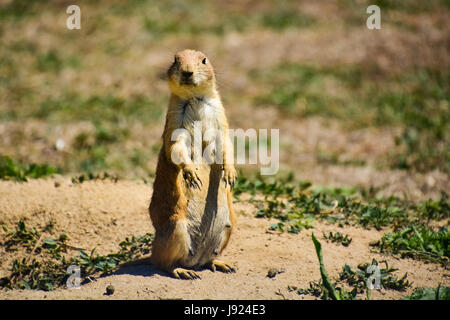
(204, 61)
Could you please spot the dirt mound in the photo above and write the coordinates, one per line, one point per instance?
(102, 213)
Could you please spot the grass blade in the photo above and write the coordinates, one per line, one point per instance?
(325, 279)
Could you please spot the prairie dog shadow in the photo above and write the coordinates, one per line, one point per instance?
(139, 267)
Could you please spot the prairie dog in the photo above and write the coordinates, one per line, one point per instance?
(191, 206)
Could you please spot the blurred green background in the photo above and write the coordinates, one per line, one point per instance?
(351, 103)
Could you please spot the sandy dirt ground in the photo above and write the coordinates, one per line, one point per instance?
(102, 213)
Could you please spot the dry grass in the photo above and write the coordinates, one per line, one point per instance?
(59, 84)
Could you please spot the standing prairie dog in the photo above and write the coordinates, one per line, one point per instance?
(191, 206)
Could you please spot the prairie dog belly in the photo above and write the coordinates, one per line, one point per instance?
(207, 217)
(207, 208)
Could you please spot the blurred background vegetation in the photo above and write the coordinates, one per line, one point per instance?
(344, 97)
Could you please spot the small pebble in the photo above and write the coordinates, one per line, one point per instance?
(274, 271)
(109, 290)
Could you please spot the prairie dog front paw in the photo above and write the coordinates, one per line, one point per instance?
(191, 177)
(229, 174)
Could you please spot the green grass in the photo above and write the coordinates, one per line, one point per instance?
(439, 293)
(11, 170)
(18, 9)
(108, 108)
(417, 101)
(20, 236)
(331, 291)
(299, 89)
(297, 205)
(73, 106)
(411, 6)
(356, 280)
(46, 263)
(338, 237)
(92, 149)
(52, 61)
(285, 17)
(419, 243)
(182, 19)
(390, 9)
(34, 77)
(435, 209)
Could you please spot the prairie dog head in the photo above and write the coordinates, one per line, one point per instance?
(191, 75)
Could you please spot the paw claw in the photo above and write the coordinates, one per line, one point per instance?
(229, 175)
(191, 177)
(180, 273)
(223, 266)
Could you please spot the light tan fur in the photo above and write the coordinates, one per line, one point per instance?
(191, 206)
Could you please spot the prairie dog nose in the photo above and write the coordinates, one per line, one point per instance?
(187, 74)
